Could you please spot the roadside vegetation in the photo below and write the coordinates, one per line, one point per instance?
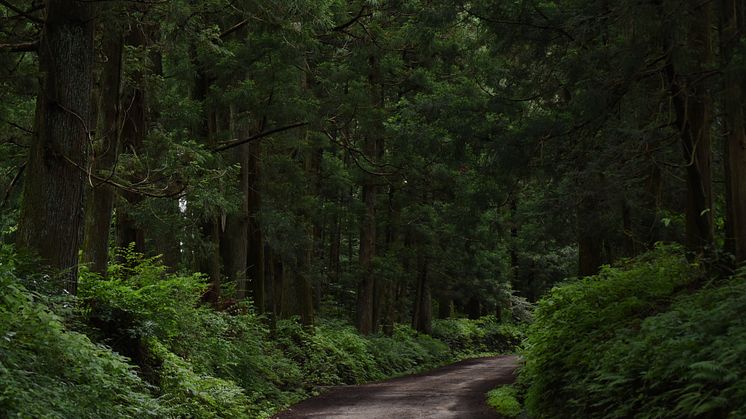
(650, 337)
(141, 344)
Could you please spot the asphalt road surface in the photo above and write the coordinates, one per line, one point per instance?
(454, 391)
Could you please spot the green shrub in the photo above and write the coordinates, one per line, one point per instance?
(49, 371)
(504, 400)
(639, 341)
(188, 394)
(484, 335)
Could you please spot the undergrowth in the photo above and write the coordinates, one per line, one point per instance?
(140, 344)
(651, 338)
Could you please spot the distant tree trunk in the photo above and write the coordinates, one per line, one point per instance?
(255, 261)
(473, 308)
(423, 311)
(234, 239)
(590, 239)
(208, 261)
(693, 117)
(134, 129)
(51, 215)
(278, 287)
(628, 230)
(388, 294)
(100, 198)
(731, 33)
(366, 286)
(445, 307)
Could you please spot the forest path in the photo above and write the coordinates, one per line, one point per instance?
(454, 391)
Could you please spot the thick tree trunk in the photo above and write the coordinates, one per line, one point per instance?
(731, 31)
(51, 215)
(100, 197)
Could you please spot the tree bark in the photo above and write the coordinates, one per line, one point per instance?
(693, 117)
(255, 261)
(366, 286)
(234, 240)
(590, 240)
(731, 31)
(423, 311)
(51, 214)
(100, 197)
(134, 128)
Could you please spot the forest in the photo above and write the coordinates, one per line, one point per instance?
(219, 208)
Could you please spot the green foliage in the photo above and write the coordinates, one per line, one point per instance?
(201, 358)
(336, 354)
(504, 400)
(406, 351)
(189, 394)
(475, 336)
(637, 341)
(49, 371)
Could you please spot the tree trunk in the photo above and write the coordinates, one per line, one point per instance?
(445, 307)
(51, 214)
(100, 197)
(693, 117)
(731, 31)
(234, 240)
(255, 261)
(134, 128)
(423, 312)
(366, 286)
(590, 240)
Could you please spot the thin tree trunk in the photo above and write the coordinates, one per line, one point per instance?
(590, 240)
(366, 286)
(234, 239)
(51, 215)
(423, 313)
(255, 261)
(731, 31)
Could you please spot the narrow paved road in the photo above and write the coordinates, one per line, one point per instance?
(453, 391)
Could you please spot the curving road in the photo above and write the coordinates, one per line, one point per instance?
(453, 391)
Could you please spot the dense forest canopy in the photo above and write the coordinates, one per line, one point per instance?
(371, 156)
(377, 161)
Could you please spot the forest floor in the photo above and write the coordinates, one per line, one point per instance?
(454, 391)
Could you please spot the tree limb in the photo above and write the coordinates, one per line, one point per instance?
(237, 142)
(21, 46)
(21, 12)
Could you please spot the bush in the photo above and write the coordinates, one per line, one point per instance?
(484, 335)
(642, 341)
(504, 400)
(157, 319)
(49, 371)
